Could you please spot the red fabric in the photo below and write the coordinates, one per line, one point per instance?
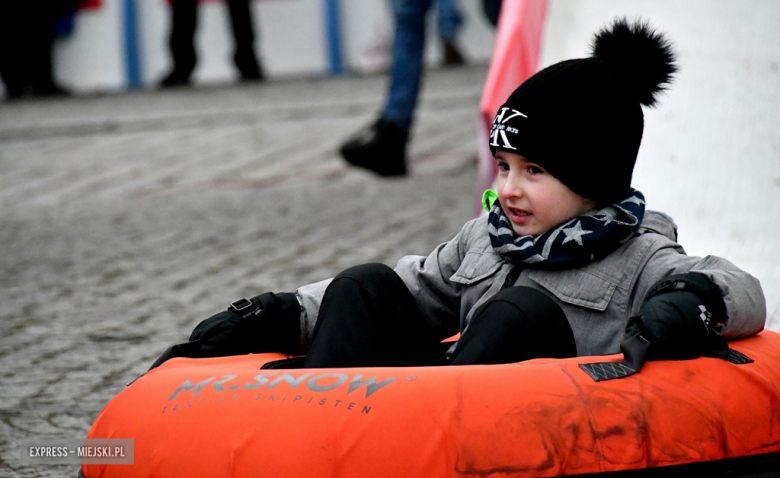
(515, 58)
(86, 4)
(226, 417)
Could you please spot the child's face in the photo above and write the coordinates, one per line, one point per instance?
(534, 200)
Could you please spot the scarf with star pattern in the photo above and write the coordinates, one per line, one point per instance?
(574, 243)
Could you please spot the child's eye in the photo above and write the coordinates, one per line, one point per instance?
(535, 170)
(502, 166)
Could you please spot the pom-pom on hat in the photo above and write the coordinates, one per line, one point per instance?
(581, 120)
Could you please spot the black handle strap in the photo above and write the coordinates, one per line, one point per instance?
(635, 350)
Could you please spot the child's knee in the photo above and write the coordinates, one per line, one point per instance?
(373, 277)
(523, 303)
(528, 314)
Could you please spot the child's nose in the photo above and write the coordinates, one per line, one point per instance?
(512, 187)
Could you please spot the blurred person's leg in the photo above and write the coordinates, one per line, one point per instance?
(243, 32)
(12, 48)
(406, 71)
(382, 146)
(26, 38)
(41, 42)
(492, 8)
(449, 21)
(184, 18)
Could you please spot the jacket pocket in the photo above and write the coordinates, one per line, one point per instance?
(576, 287)
(475, 267)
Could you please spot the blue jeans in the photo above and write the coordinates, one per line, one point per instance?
(405, 73)
(408, 49)
(449, 19)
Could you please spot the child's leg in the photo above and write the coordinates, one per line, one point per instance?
(368, 318)
(519, 323)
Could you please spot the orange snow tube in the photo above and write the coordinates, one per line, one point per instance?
(229, 417)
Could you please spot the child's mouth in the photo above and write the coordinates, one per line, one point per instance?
(518, 216)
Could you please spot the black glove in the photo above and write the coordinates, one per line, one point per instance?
(679, 317)
(266, 323)
(677, 321)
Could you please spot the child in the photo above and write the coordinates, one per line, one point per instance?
(567, 263)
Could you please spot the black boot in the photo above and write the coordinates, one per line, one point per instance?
(175, 78)
(452, 55)
(184, 19)
(249, 67)
(380, 148)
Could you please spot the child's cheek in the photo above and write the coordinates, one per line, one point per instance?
(500, 191)
(502, 201)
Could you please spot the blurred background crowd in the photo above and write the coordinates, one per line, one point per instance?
(109, 45)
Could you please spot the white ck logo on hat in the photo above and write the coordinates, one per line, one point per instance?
(500, 128)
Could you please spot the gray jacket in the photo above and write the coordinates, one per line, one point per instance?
(598, 298)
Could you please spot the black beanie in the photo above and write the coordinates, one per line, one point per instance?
(581, 120)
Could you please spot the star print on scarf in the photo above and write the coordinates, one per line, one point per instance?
(575, 233)
(574, 243)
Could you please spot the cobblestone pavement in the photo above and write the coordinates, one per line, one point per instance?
(127, 219)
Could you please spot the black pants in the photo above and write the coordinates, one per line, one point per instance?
(26, 37)
(184, 21)
(368, 318)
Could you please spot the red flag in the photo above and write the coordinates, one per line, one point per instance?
(515, 58)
